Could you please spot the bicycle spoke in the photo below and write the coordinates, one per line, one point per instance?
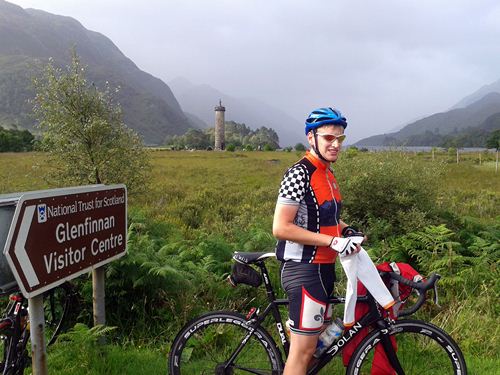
(213, 346)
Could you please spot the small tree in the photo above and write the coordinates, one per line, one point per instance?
(83, 133)
(300, 147)
(196, 139)
(493, 141)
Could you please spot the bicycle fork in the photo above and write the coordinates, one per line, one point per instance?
(387, 344)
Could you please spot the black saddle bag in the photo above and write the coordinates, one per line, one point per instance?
(244, 274)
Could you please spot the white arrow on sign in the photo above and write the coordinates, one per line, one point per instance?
(20, 249)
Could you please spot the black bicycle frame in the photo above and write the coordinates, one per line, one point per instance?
(370, 319)
(15, 311)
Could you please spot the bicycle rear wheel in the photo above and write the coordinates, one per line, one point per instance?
(422, 348)
(5, 342)
(15, 356)
(206, 344)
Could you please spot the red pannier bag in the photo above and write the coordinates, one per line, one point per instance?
(400, 292)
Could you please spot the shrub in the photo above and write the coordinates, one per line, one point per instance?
(452, 155)
(300, 147)
(351, 152)
(159, 281)
(83, 135)
(394, 190)
(231, 147)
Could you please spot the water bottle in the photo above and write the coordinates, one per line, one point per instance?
(331, 333)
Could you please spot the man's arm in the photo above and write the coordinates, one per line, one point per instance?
(284, 228)
(344, 225)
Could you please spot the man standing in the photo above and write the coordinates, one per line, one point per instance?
(310, 233)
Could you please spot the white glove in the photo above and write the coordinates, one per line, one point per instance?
(358, 240)
(343, 246)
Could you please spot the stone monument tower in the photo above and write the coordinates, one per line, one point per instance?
(219, 127)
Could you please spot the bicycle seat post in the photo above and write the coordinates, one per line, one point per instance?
(269, 288)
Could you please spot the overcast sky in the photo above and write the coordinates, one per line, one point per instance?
(383, 63)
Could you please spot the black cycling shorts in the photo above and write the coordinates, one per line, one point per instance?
(308, 286)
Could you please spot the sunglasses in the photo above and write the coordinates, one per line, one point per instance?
(330, 138)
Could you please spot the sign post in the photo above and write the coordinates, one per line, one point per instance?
(57, 235)
(38, 345)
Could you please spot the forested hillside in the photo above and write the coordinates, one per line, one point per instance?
(469, 126)
(30, 37)
(236, 136)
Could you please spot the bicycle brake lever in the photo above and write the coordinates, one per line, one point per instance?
(436, 298)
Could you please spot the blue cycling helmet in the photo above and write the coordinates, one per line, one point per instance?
(324, 116)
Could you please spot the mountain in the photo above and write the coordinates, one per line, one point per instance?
(29, 37)
(200, 100)
(481, 93)
(431, 129)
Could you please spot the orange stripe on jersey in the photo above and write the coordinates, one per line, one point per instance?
(312, 185)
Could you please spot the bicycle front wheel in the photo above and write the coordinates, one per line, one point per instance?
(421, 348)
(220, 343)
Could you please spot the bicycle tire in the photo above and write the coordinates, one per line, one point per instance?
(60, 310)
(5, 342)
(15, 356)
(204, 345)
(422, 348)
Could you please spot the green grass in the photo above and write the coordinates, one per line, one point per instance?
(20, 172)
(243, 185)
(198, 200)
(471, 190)
(113, 359)
(131, 360)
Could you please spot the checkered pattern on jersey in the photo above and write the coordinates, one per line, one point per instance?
(293, 185)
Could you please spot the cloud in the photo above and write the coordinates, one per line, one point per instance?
(382, 62)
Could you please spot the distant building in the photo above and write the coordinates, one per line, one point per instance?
(219, 127)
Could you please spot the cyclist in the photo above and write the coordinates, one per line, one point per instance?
(308, 227)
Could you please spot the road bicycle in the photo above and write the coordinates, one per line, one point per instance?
(227, 342)
(60, 306)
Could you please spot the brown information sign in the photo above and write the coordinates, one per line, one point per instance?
(57, 235)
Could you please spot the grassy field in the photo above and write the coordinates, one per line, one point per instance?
(201, 206)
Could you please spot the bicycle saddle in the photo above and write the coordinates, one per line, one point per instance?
(249, 258)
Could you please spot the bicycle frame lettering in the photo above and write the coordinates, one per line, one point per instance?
(281, 332)
(345, 338)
